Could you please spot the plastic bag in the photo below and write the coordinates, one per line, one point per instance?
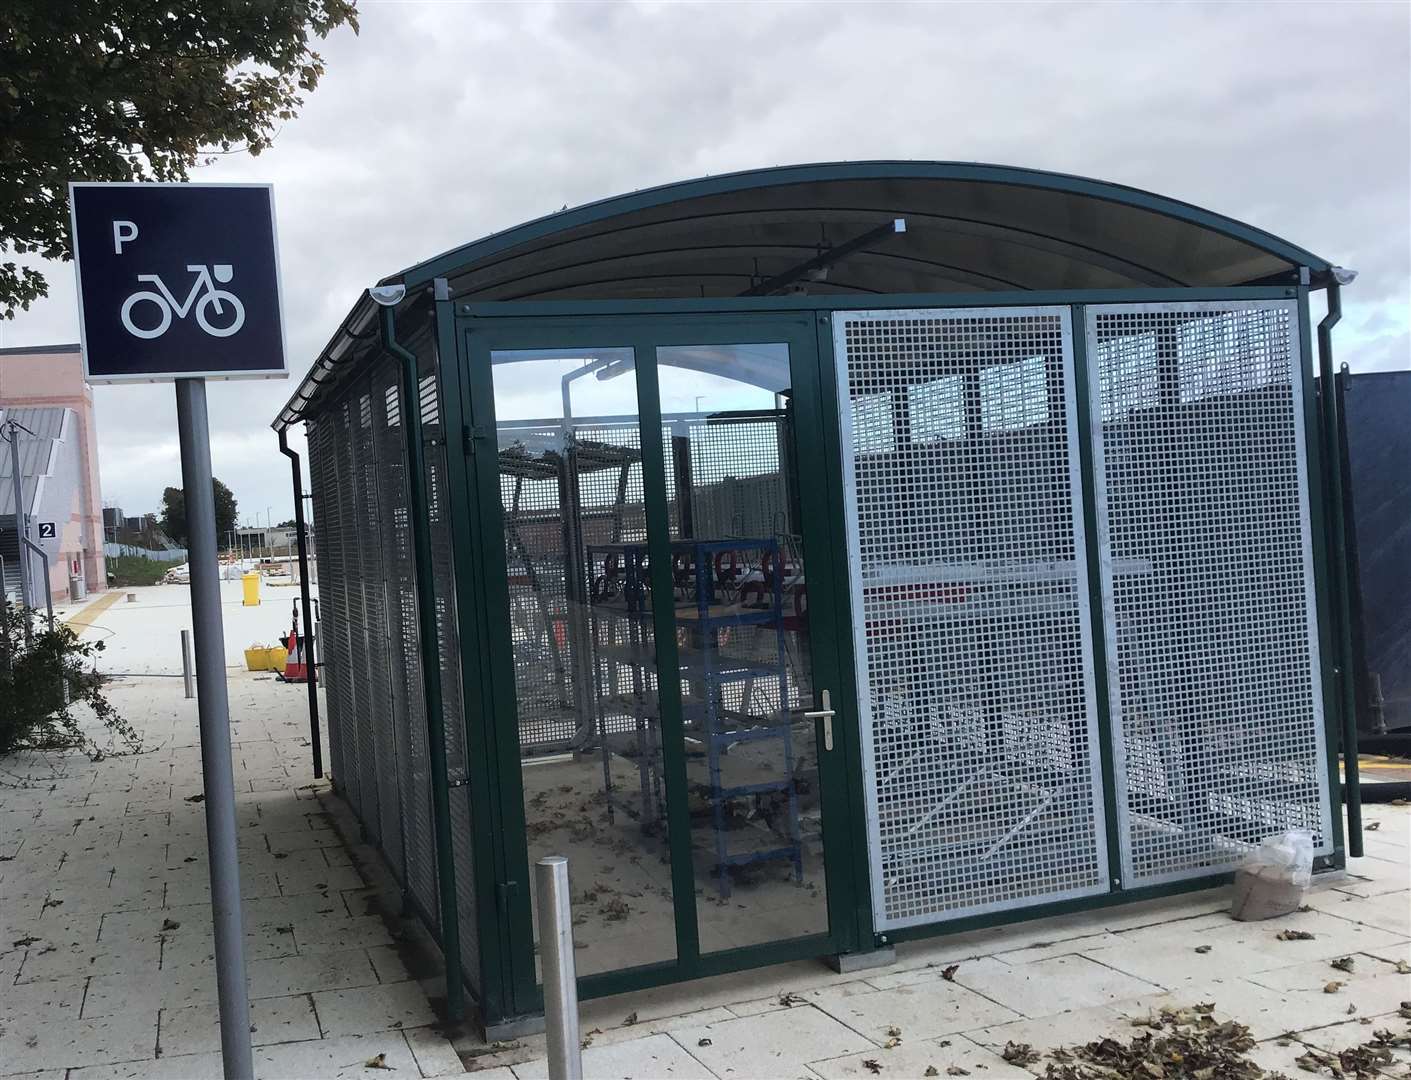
(1274, 877)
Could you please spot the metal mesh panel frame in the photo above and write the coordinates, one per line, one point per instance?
(1150, 380)
(413, 760)
(448, 650)
(1016, 886)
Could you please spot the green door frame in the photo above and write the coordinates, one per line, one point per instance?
(508, 984)
(506, 919)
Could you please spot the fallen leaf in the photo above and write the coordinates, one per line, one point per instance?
(170, 924)
(1203, 948)
(891, 1044)
(1372, 826)
(702, 1042)
(894, 1032)
(202, 798)
(1351, 1009)
(1332, 987)
(930, 1071)
(1294, 935)
(949, 973)
(872, 1065)
(1019, 1053)
(631, 1019)
(378, 1062)
(1403, 968)
(955, 1070)
(1343, 963)
(789, 999)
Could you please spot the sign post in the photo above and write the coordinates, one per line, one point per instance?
(135, 247)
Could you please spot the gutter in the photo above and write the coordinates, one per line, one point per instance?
(1352, 783)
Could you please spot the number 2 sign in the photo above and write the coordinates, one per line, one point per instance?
(177, 281)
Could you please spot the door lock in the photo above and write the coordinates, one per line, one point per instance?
(825, 714)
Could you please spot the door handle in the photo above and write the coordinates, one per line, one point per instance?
(825, 714)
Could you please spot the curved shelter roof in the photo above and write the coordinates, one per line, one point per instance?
(969, 228)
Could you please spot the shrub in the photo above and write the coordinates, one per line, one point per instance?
(44, 675)
(135, 570)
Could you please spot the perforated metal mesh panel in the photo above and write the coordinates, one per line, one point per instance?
(448, 651)
(969, 591)
(347, 609)
(324, 505)
(372, 670)
(409, 712)
(599, 471)
(737, 474)
(1208, 581)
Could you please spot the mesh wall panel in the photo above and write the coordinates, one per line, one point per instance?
(1208, 582)
(404, 682)
(413, 760)
(443, 578)
(340, 683)
(329, 578)
(600, 472)
(371, 498)
(969, 586)
(364, 612)
(353, 688)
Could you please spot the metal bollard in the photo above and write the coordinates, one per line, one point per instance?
(186, 664)
(560, 971)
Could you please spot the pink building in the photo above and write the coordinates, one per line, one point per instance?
(42, 387)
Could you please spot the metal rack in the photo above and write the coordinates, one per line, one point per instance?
(717, 594)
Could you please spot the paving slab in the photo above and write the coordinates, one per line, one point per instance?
(913, 1058)
(771, 1044)
(106, 969)
(654, 1056)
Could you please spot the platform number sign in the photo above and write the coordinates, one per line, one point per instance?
(46, 530)
(177, 281)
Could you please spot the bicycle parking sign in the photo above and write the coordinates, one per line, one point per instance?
(177, 281)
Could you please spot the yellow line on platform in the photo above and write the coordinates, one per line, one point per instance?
(82, 619)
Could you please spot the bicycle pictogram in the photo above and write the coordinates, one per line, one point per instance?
(167, 304)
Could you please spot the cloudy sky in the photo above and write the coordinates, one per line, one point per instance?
(444, 121)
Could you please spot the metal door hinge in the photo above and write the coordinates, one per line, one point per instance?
(825, 714)
(505, 889)
(469, 434)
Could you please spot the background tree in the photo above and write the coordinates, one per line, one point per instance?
(174, 512)
(136, 90)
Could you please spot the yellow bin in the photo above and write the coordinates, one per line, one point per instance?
(266, 658)
(251, 582)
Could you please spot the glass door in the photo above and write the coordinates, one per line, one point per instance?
(667, 679)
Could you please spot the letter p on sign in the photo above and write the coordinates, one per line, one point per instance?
(123, 232)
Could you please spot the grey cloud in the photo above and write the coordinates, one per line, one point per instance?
(443, 122)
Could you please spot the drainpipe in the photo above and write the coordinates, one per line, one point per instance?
(430, 662)
(310, 668)
(1334, 504)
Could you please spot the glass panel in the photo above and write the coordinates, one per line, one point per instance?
(742, 633)
(581, 632)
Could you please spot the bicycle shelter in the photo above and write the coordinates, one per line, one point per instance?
(824, 556)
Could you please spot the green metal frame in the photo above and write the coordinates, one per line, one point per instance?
(497, 730)
(469, 331)
(1097, 630)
